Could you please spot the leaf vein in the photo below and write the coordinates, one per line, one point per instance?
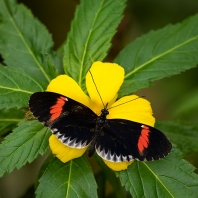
(86, 43)
(69, 179)
(24, 41)
(160, 55)
(17, 90)
(157, 178)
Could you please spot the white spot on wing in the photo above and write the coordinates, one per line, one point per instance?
(70, 142)
(54, 130)
(124, 158)
(112, 157)
(118, 158)
(58, 135)
(130, 157)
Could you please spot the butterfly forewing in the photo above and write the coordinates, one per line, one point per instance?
(115, 140)
(72, 122)
(125, 140)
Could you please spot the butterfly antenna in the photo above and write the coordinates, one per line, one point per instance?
(127, 102)
(97, 88)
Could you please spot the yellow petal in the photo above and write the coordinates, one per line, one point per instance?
(63, 152)
(108, 78)
(118, 166)
(67, 86)
(135, 109)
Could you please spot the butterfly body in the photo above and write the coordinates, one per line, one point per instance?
(101, 121)
(115, 140)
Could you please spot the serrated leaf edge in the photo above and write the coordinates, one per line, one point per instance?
(29, 161)
(25, 42)
(159, 56)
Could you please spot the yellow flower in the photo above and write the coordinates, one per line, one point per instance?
(107, 77)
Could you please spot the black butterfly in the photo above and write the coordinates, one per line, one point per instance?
(77, 126)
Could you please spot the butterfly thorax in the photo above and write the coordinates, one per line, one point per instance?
(102, 118)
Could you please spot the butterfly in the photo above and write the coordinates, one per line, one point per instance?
(115, 140)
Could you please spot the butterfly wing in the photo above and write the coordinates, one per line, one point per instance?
(124, 140)
(72, 122)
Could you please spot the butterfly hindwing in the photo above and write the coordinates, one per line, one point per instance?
(72, 122)
(125, 140)
(116, 140)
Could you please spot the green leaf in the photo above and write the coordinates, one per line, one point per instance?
(183, 134)
(111, 177)
(71, 179)
(92, 29)
(16, 86)
(168, 177)
(9, 119)
(159, 54)
(25, 43)
(24, 145)
(186, 106)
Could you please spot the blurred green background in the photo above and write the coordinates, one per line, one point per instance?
(174, 98)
